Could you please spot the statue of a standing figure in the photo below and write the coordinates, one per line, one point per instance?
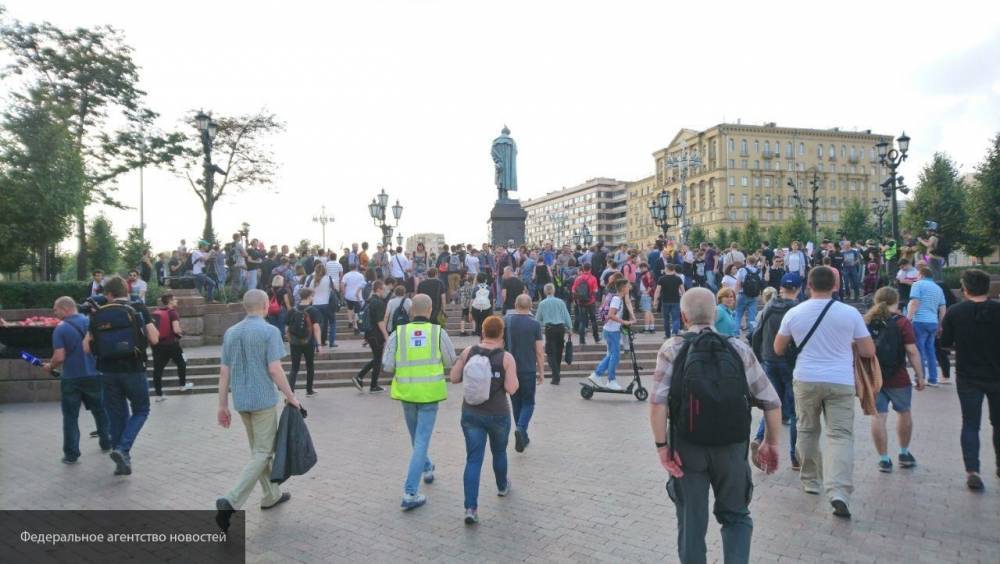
(505, 159)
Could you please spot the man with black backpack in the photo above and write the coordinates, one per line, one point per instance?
(749, 283)
(706, 383)
(118, 335)
(372, 323)
(302, 327)
(584, 292)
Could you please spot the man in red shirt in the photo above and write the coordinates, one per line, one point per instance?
(584, 293)
(168, 322)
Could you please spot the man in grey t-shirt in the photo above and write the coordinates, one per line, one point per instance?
(524, 341)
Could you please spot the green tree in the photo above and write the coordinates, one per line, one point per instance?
(735, 235)
(102, 251)
(983, 205)
(751, 237)
(697, 236)
(41, 176)
(133, 247)
(796, 228)
(775, 236)
(939, 196)
(91, 72)
(722, 237)
(855, 221)
(240, 146)
(303, 248)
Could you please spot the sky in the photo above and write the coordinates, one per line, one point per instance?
(408, 95)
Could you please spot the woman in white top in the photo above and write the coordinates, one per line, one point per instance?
(612, 336)
(729, 281)
(319, 282)
(795, 260)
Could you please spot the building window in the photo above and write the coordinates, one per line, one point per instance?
(743, 181)
(732, 163)
(744, 201)
(732, 199)
(756, 182)
(854, 154)
(790, 167)
(833, 201)
(767, 182)
(756, 165)
(788, 149)
(843, 151)
(819, 151)
(854, 169)
(732, 146)
(767, 147)
(743, 164)
(732, 215)
(832, 152)
(743, 147)
(732, 181)
(756, 146)
(802, 149)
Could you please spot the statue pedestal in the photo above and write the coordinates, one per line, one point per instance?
(507, 222)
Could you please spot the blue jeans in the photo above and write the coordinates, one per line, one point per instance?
(523, 400)
(608, 365)
(250, 280)
(119, 387)
(710, 280)
(278, 320)
(205, 284)
(420, 419)
(780, 375)
(925, 333)
(849, 282)
(970, 398)
(748, 305)
(477, 428)
(86, 391)
(671, 318)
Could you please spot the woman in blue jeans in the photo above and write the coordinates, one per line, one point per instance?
(617, 309)
(490, 419)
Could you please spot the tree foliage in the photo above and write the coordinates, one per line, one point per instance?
(939, 196)
(796, 228)
(751, 237)
(722, 237)
(42, 183)
(983, 205)
(774, 235)
(133, 247)
(735, 235)
(240, 156)
(855, 221)
(102, 251)
(697, 236)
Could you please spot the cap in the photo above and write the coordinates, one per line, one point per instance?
(791, 280)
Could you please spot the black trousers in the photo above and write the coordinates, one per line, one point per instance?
(480, 315)
(555, 343)
(298, 351)
(162, 354)
(583, 314)
(376, 342)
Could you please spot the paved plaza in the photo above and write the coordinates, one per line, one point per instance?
(588, 488)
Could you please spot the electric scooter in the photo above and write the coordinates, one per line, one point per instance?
(588, 389)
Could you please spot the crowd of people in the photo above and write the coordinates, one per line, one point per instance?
(767, 324)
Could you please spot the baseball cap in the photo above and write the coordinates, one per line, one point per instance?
(791, 280)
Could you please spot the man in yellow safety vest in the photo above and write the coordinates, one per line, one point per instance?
(419, 354)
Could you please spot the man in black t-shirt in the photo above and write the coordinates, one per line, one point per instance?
(973, 329)
(668, 297)
(510, 288)
(435, 289)
(123, 378)
(376, 336)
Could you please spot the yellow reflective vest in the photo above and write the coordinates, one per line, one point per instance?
(419, 376)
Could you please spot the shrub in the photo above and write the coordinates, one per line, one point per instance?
(25, 295)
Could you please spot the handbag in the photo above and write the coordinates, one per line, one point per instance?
(792, 351)
(568, 351)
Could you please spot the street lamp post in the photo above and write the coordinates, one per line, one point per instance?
(891, 157)
(879, 208)
(814, 184)
(585, 237)
(206, 128)
(659, 211)
(399, 239)
(377, 210)
(322, 219)
(683, 163)
(245, 233)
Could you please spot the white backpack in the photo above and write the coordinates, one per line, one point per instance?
(477, 376)
(482, 299)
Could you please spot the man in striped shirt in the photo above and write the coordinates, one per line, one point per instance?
(251, 359)
(693, 468)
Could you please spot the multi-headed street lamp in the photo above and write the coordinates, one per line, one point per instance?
(683, 163)
(659, 211)
(584, 236)
(892, 158)
(322, 219)
(814, 183)
(377, 209)
(879, 208)
(399, 239)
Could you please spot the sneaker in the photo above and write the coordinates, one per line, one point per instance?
(754, 447)
(412, 501)
(471, 516)
(376, 390)
(429, 475)
(310, 393)
(357, 382)
(160, 398)
(188, 386)
(974, 482)
(93, 434)
(597, 381)
(906, 460)
(224, 513)
(933, 384)
(840, 508)
(505, 490)
(68, 460)
(285, 496)
(614, 385)
(796, 465)
(520, 440)
(464, 333)
(885, 466)
(786, 422)
(945, 381)
(123, 466)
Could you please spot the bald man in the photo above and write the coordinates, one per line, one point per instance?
(524, 341)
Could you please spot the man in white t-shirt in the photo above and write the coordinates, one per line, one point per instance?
(334, 270)
(824, 385)
(350, 287)
(472, 262)
(399, 265)
(199, 258)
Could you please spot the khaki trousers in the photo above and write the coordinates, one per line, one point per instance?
(819, 404)
(261, 427)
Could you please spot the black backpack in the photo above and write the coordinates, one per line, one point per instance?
(889, 347)
(399, 317)
(582, 292)
(709, 398)
(943, 248)
(118, 332)
(365, 322)
(299, 326)
(752, 283)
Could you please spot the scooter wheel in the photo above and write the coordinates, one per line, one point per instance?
(641, 394)
(586, 392)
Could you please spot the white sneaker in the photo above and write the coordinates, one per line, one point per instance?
(599, 381)
(188, 386)
(160, 398)
(613, 385)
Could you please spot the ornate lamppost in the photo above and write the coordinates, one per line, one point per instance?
(891, 157)
(659, 210)
(245, 233)
(207, 128)
(683, 163)
(879, 208)
(586, 238)
(322, 219)
(814, 184)
(377, 209)
(399, 239)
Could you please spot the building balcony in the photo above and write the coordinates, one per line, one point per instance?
(766, 154)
